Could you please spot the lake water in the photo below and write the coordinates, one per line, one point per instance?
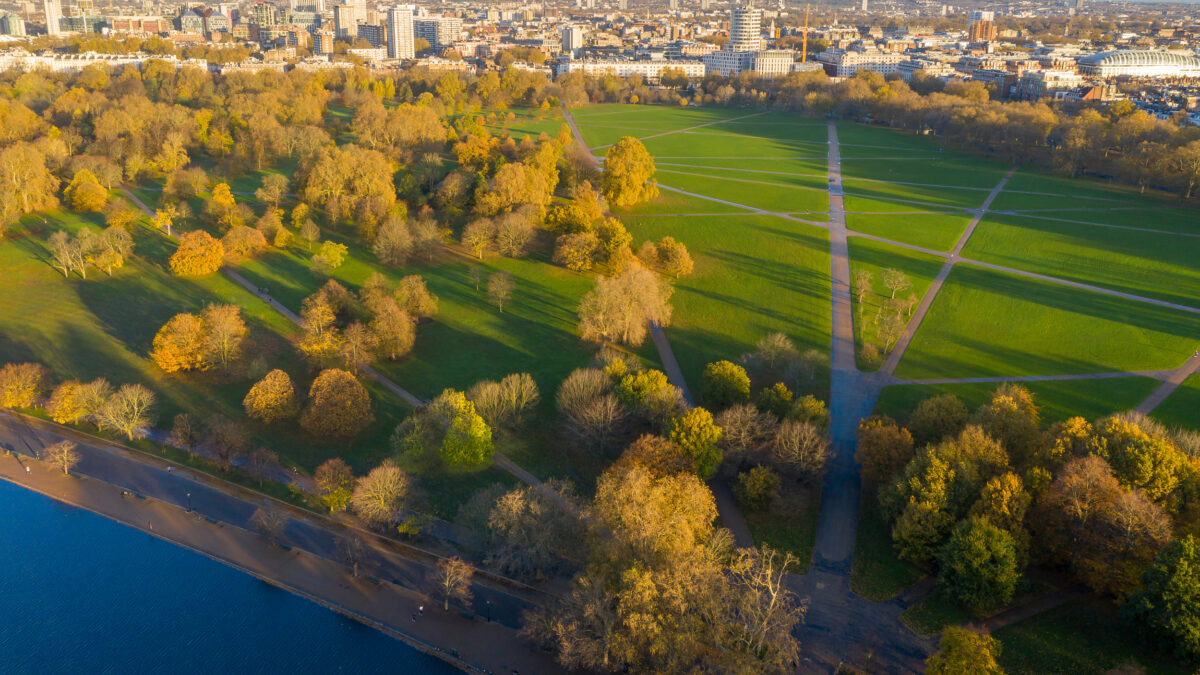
(82, 594)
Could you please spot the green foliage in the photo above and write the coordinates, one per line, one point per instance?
(961, 651)
(757, 488)
(1168, 604)
(629, 173)
(447, 431)
(697, 434)
(725, 384)
(979, 566)
(776, 400)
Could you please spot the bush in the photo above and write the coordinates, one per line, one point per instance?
(757, 488)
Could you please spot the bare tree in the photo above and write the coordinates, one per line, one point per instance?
(261, 461)
(127, 411)
(890, 330)
(269, 523)
(452, 579)
(862, 286)
(185, 433)
(63, 456)
(351, 550)
(895, 280)
(476, 276)
(500, 287)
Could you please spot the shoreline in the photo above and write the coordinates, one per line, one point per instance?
(120, 485)
(411, 640)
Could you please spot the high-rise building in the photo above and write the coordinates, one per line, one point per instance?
(672, 5)
(265, 14)
(572, 39)
(400, 39)
(982, 27)
(438, 31)
(373, 33)
(12, 24)
(344, 23)
(864, 6)
(53, 17)
(323, 42)
(745, 30)
(84, 8)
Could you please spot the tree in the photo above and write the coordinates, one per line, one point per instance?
(180, 344)
(198, 255)
(338, 405)
(222, 207)
(577, 251)
(502, 404)
(311, 234)
(111, 249)
(978, 566)
(649, 395)
(757, 488)
(799, 449)
(379, 496)
(272, 398)
(499, 288)
(394, 330)
(619, 308)
(628, 173)
(884, 449)
(63, 455)
(128, 411)
(334, 480)
(329, 257)
(243, 241)
(85, 194)
(862, 286)
(415, 299)
(269, 523)
(274, 188)
(725, 384)
(1168, 604)
(895, 280)
(697, 434)
(185, 433)
(478, 235)
(1012, 418)
(261, 461)
(468, 439)
(393, 242)
(224, 331)
(963, 651)
(673, 258)
(936, 418)
(358, 346)
(21, 384)
(69, 253)
(673, 78)
(452, 579)
(26, 182)
(226, 438)
(320, 340)
(513, 232)
(350, 550)
(65, 405)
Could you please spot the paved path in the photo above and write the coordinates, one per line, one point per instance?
(669, 363)
(1169, 385)
(1036, 606)
(213, 517)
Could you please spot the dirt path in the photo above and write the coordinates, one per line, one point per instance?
(1036, 606)
(1170, 384)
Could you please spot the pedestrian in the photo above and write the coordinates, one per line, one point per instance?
(421, 610)
(28, 471)
(414, 618)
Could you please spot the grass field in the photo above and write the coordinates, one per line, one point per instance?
(877, 573)
(1182, 407)
(789, 526)
(1057, 399)
(936, 231)
(874, 257)
(753, 275)
(986, 323)
(1083, 636)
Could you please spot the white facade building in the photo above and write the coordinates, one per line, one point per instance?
(572, 39)
(400, 40)
(438, 31)
(53, 16)
(651, 70)
(844, 63)
(745, 30)
(773, 63)
(1141, 63)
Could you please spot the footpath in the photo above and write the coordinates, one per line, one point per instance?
(211, 517)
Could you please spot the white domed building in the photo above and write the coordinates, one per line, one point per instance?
(1140, 63)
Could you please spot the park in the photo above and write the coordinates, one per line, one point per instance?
(888, 267)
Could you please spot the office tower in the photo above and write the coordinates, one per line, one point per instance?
(745, 30)
(864, 5)
(344, 23)
(265, 14)
(400, 41)
(12, 24)
(572, 39)
(438, 31)
(982, 27)
(53, 16)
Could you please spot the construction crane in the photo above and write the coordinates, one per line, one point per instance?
(804, 40)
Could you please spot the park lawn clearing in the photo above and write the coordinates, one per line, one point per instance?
(933, 614)
(878, 574)
(754, 275)
(712, 141)
(934, 231)
(1183, 220)
(1083, 636)
(757, 169)
(1150, 264)
(766, 195)
(864, 140)
(945, 171)
(1182, 407)
(789, 525)
(987, 323)
(672, 202)
(1057, 400)
(930, 198)
(886, 206)
(873, 257)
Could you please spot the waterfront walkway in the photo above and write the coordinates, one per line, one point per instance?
(140, 491)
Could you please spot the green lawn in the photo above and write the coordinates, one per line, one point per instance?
(877, 573)
(1149, 264)
(929, 197)
(874, 257)
(1084, 636)
(986, 323)
(933, 614)
(1182, 407)
(769, 195)
(1057, 399)
(754, 275)
(935, 231)
(789, 526)
(671, 202)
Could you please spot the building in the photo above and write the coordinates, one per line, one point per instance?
(323, 42)
(1139, 63)
(1039, 84)
(651, 70)
(773, 63)
(401, 43)
(189, 22)
(369, 54)
(932, 68)
(53, 17)
(373, 33)
(745, 30)
(846, 62)
(438, 31)
(344, 22)
(726, 62)
(982, 27)
(12, 24)
(572, 39)
(265, 14)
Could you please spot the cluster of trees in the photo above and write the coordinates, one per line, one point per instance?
(127, 410)
(379, 323)
(107, 249)
(891, 313)
(979, 496)
(189, 342)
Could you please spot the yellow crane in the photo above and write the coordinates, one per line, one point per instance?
(804, 40)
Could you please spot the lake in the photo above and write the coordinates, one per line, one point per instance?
(82, 594)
